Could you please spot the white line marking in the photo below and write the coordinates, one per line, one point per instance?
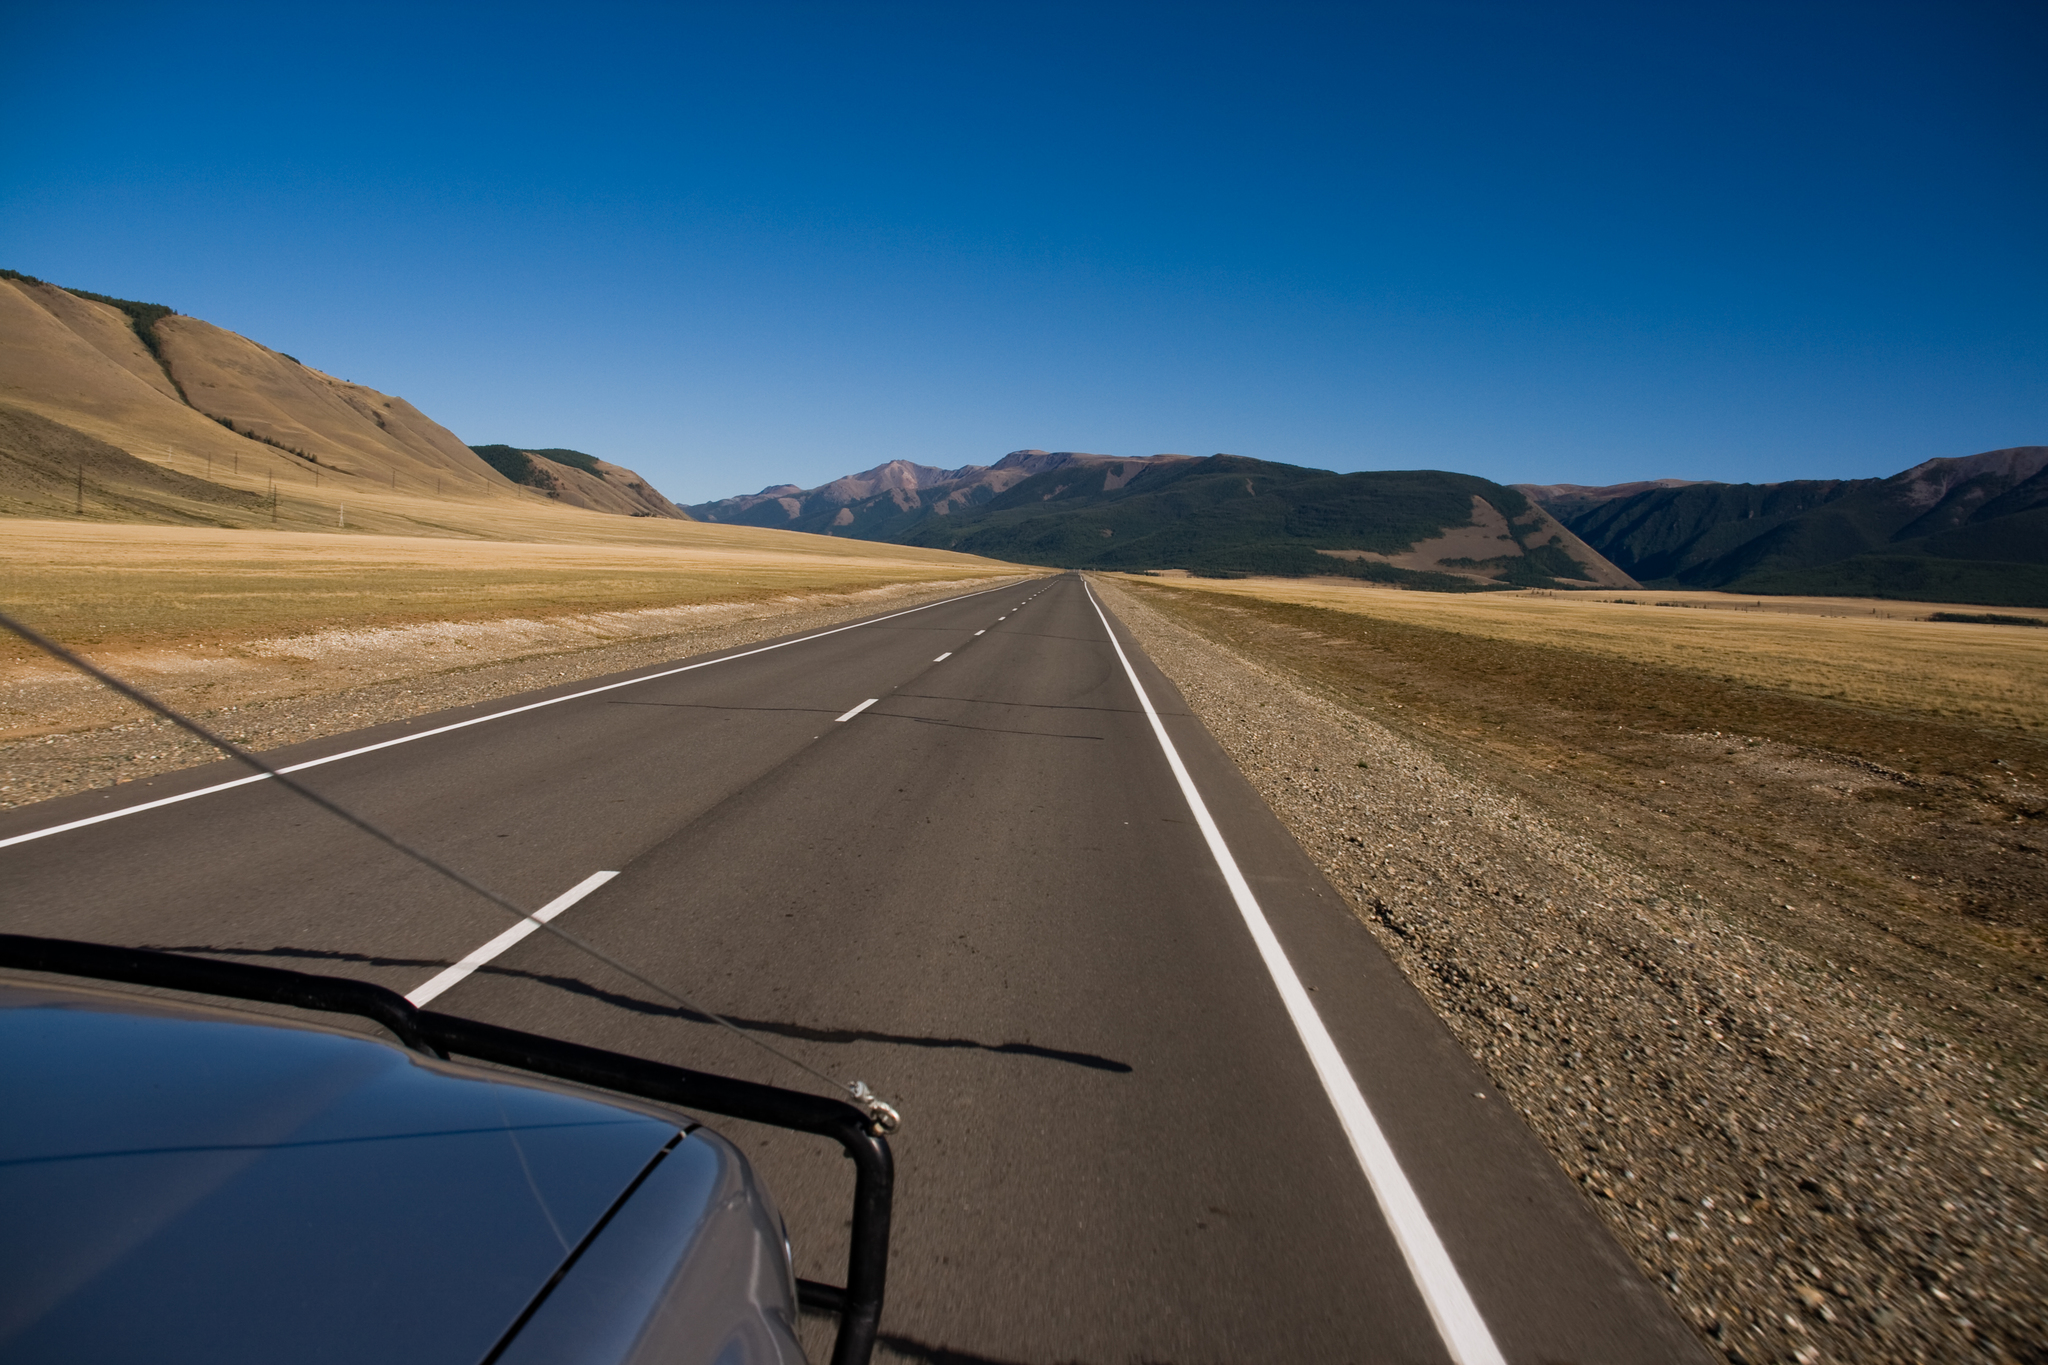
(438, 984)
(461, 725)
(981, 632)
(858, 709)
(943, 657)
(1458, 1322)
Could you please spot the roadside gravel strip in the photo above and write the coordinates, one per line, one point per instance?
(355, 680)
(1809, 1174)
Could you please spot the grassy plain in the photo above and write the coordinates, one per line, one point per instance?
(1716, 749)
(1885, 656)
(138, 585)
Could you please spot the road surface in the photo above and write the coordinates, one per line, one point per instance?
(1164, 1099)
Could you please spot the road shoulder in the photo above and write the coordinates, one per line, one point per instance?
(1546, 1275)
(1796, 1170)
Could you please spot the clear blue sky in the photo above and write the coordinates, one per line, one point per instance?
(744, 243)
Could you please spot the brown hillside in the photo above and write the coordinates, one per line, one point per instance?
(614, 488)
(48, 469)
(349, 428)
(107, 331)
(253, 423)
(97, 377)
(78, 362)
(639, 495)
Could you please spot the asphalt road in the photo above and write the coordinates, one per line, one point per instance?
(988, 895)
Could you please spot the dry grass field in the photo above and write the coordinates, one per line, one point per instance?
(212, 620)
(128, 587)
(1885, 655)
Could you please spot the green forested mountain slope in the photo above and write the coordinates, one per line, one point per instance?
(1225, 514)
(1973, 529)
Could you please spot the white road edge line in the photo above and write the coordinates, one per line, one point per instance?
(1464, 1332)
(464, 724)
(436, 985)
(943, 657)
(858, 709)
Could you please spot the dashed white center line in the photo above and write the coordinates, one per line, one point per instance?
(981, 632)
(858, 709)
(438, 984)
(417, 735)
(943, 657)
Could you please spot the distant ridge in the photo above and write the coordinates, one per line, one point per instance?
(1958, 529)
(1570, 499)
(1223, 515)
(886, 501)
(580, 480)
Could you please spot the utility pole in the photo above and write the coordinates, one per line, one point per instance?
(273, 499)
(81, 488)
(341, 515)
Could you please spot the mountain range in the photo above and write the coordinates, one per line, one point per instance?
(119, 388)
(1962, 529)
(1219, 515)
(1954, 529)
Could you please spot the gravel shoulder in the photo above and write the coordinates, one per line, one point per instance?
(1818, 1160)
(284, 691)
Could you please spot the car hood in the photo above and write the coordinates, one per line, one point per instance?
(187, 1184)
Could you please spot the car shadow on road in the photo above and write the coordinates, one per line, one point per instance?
(985, 729)
(924, 1353)
(1026, 705)
(778, 1028)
